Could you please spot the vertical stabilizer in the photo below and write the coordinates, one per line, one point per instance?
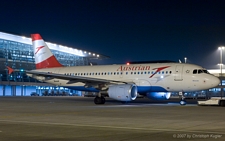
(42, 54)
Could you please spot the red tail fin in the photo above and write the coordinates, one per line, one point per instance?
(42, 54)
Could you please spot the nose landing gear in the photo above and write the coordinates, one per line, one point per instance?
(182, 100)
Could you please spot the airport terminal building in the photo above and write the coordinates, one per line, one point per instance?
(17, 52)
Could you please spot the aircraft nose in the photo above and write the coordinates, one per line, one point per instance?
(215, 81)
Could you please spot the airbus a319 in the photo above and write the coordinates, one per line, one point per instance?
(120, 82)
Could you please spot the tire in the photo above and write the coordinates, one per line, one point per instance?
(99, 100)
(183, 102)
(102, 100)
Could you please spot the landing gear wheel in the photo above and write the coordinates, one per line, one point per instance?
(99, 100)
(103, 100)
(183, 102)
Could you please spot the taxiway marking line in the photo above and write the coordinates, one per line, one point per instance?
(115, 127)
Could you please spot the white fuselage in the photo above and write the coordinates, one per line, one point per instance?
(163, 77)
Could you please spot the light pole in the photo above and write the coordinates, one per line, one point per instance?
(185, 59)
(221, 68)
(221, 57)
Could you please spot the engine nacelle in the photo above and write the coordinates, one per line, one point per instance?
(123, 92)
(158, 95)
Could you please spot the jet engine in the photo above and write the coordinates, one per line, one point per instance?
(158, 95)
(123, 92)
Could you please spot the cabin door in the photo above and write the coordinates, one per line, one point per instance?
(178, 73)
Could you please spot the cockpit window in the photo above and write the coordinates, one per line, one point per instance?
(200, 71)
(205, 71)
(195, 71)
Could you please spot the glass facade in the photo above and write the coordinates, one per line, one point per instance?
(20, 56)
(17, 53)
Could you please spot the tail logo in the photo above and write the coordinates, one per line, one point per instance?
(39, 48)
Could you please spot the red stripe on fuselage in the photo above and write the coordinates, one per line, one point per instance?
(51, 62)
(36, 37)
(158, 70)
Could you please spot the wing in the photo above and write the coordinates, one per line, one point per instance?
(74, 79)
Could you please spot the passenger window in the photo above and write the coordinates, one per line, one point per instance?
(170, 72)
(126, 73)
(134, 72)
(131, 73)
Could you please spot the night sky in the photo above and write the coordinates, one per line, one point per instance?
(125, 30)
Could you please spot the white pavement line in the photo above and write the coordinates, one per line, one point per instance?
(117, 127)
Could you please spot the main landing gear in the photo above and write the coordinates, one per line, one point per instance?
(99, 100)
(182, 100)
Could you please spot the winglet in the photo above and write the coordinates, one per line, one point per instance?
(10, 70)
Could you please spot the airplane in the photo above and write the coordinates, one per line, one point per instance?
(122, 82)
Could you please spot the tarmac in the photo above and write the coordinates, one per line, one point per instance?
(79, 119)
